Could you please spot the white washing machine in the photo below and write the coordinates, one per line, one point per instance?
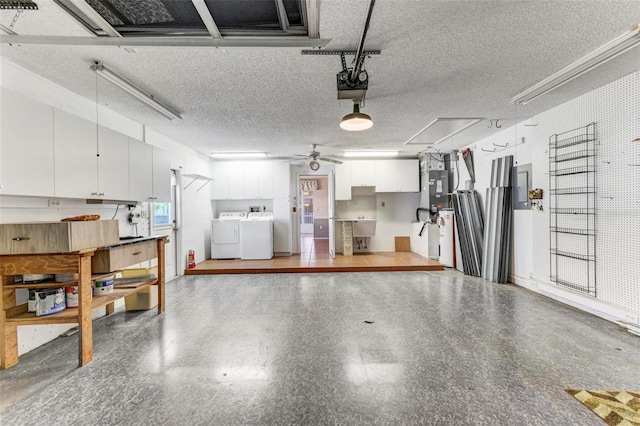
(256, 236)
(225, 235)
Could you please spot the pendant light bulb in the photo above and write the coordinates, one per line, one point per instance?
(356, 121)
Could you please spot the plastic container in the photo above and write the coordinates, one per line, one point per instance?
(103, 286)
(72, 299)
(143, 300)
(50, 301)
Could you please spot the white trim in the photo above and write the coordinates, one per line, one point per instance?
(587, 304)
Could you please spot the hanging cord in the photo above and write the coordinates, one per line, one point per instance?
(515, 106)
(97, 120)
(114, 215)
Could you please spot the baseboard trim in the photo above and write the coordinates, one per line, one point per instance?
(587, 304)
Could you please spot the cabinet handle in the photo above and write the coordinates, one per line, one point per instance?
(94, 193)
(21, 238)
(137, 253)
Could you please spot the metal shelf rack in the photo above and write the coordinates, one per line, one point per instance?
(572, 227)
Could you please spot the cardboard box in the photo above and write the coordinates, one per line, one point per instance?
(143, 300)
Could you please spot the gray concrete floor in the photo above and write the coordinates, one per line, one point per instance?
(295, 349)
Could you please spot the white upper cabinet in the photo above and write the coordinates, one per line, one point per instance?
(343, 181)
(408, 175)
(76, 156)
(140, 170)
(26, 142)
(281, 179)
(90, 161)
(258, 182)
(161, 175)
(243, 180)
(397, 176)
(220, 184)
(113, 164)
(363, 172)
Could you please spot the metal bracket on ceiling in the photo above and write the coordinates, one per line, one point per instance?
(337, 52)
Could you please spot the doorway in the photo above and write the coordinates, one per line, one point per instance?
(313, 193)
(165, 220)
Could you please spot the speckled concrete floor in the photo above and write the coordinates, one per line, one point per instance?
(295, 349)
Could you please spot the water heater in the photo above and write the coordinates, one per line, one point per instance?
(447, 246)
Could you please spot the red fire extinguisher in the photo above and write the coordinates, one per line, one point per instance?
(191, 259)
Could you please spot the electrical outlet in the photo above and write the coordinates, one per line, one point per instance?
(144, 214)
(134, 218)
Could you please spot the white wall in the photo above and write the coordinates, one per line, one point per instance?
(615, 110)
(196, 211)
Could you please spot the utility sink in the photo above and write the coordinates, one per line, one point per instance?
(364, 228)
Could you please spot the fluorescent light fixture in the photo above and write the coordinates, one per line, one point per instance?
(588, 62)
(441, 129)
(18, 4)
(132, 89)
(371, 153)
(356, 121)
(239, 154)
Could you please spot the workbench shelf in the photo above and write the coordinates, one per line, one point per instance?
(572, 210)
(80, 262)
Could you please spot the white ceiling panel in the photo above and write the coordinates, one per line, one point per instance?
(438, 59)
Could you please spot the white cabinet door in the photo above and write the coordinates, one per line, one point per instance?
(369, 173)
(161, 175)
(26, 141)
(220, 184)
(386, 176)
(251, 180)
(397, 176)
(140, 170)
(408, 175)
(113, 164)
(343, 181)
(236, 180)
(281, 180)
(363, 172)
(281, 226)
(76, 156)
(265, 173)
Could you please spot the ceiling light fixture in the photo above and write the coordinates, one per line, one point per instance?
(228, 155)
(588, 62)
(356, 121)
(18, 4)
(132, 89)
(371, 153)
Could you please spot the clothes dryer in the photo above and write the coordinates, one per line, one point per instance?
(225, 235)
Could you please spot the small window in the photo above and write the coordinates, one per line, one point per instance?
(162, 215)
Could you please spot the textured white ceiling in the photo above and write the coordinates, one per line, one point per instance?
(439, 59)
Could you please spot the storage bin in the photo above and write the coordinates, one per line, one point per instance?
(145, 299)
(103, 286)
(50, 301)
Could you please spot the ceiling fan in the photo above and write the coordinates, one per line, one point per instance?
(315, 157)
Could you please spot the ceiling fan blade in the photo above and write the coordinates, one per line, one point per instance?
(303, 156)
(331, 160)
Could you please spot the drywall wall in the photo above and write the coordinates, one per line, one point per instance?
(615, 110)
(195, 213)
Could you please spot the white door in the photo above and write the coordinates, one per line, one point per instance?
(165, 220)
(332, 215)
